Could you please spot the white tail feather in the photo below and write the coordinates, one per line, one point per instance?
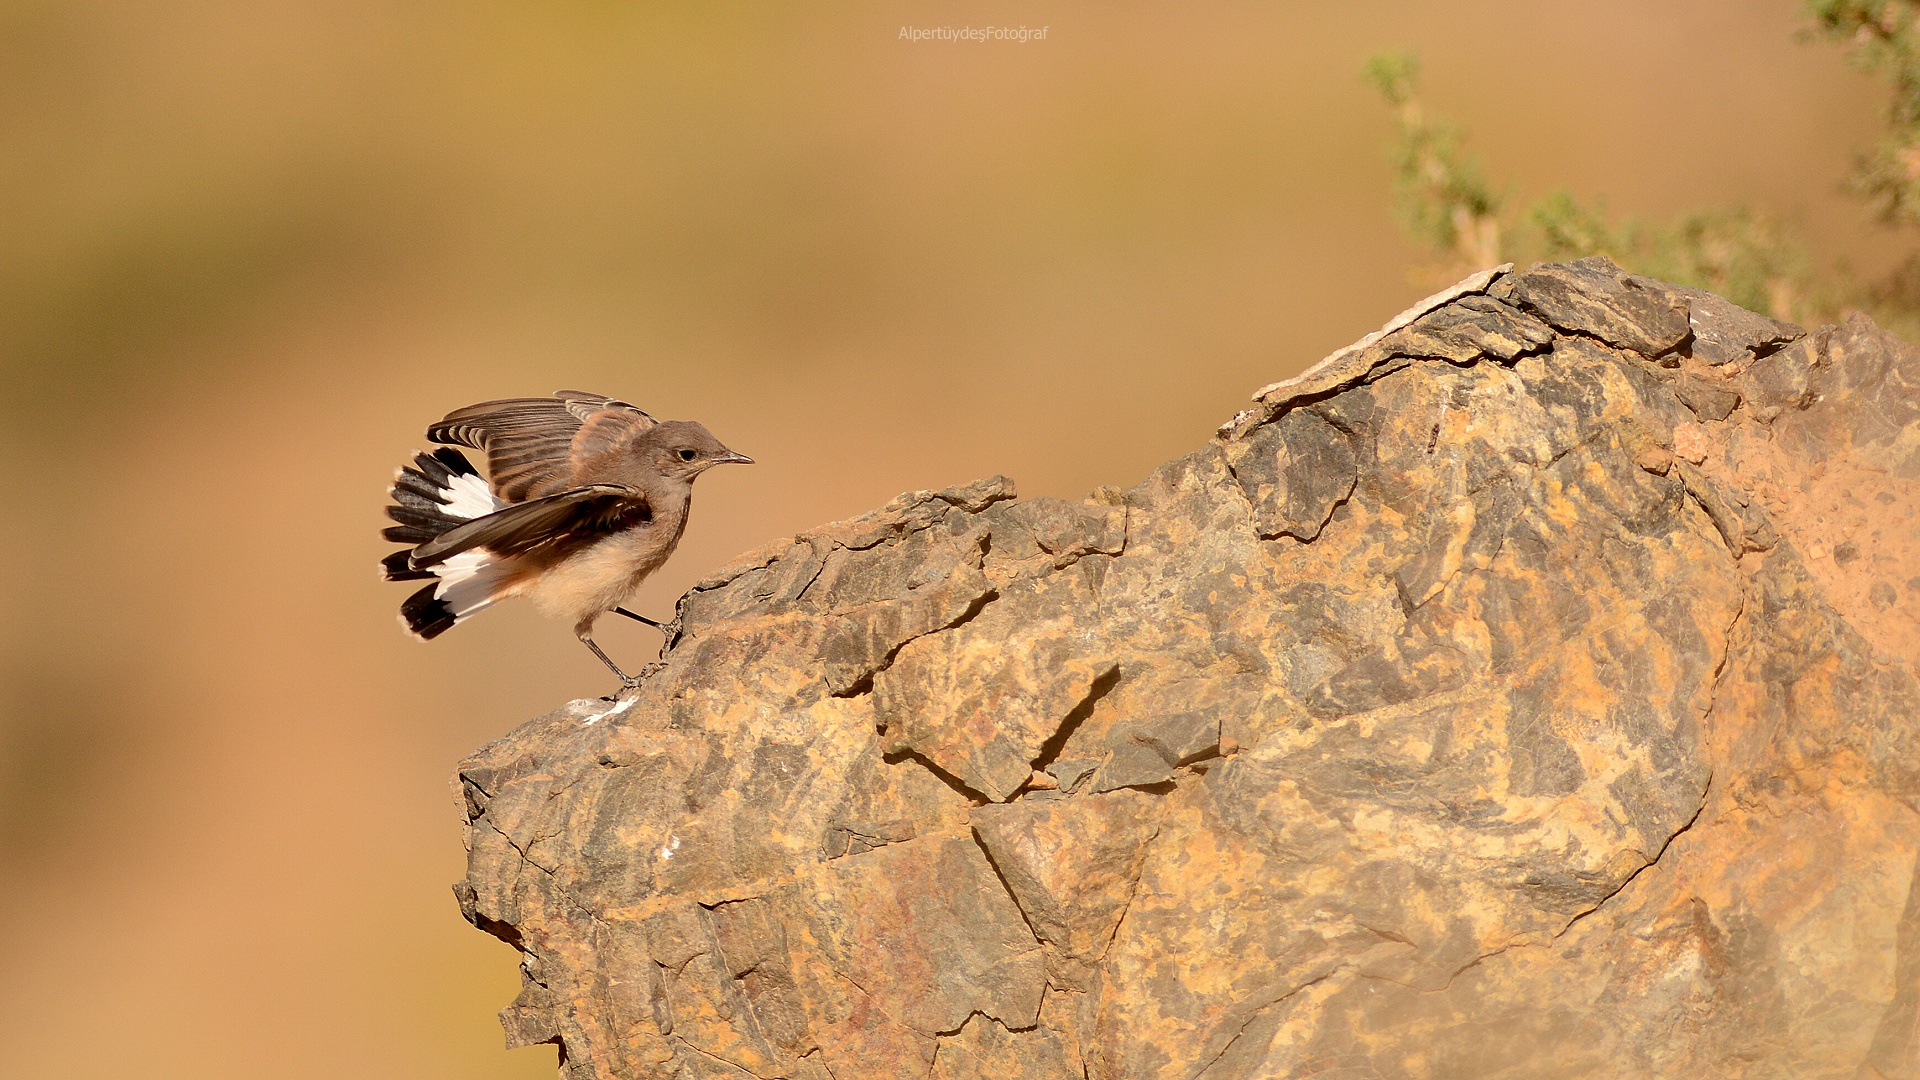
(468, 497)
(469, 581)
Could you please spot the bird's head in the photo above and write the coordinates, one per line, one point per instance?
(683, 449)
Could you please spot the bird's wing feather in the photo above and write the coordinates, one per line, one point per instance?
(557, 523)
(538, 446)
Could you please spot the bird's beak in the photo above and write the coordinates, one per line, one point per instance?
(731, 458)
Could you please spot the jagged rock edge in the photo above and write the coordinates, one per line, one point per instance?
(1471, 285)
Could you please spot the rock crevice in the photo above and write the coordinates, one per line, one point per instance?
(1526, 690)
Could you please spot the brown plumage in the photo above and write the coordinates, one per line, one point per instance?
(586, 496)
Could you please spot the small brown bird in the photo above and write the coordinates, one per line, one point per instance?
(585, 497)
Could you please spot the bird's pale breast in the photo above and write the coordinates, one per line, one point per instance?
(594, 581)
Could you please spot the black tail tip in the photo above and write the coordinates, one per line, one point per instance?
(396, 568)
(425, 615)
(442, 463)
(455, 462)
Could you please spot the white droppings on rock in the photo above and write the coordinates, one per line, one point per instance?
(618, 708)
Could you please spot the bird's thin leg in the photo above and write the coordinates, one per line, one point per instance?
(626, 680)
(662, 627)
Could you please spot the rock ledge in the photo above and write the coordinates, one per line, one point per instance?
(1525, 691)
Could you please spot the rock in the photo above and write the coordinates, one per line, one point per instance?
(1596, 298)
(1072, 863)
(980, 700)
(1707, 401)
(1725, 332)
(1295, 471)
(1526, 691)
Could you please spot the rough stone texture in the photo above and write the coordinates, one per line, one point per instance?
(1527, 691)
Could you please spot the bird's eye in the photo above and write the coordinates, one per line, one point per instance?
(686, 455)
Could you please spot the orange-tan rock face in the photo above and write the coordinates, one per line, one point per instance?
(1527, 691)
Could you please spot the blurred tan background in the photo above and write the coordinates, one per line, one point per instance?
(248, 251)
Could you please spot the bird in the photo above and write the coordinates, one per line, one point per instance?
(584, 497)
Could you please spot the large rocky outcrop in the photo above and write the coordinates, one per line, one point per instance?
(1526, 691)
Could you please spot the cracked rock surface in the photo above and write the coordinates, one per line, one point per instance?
(1525, 691)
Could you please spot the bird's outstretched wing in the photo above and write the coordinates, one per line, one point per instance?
(539, 446)
(547, 528)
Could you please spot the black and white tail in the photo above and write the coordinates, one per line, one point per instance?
(440, 491)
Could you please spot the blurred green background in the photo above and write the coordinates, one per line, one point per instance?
(249, 250)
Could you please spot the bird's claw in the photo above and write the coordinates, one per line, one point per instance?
(632, 682)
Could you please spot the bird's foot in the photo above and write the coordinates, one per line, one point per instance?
(632, 682)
